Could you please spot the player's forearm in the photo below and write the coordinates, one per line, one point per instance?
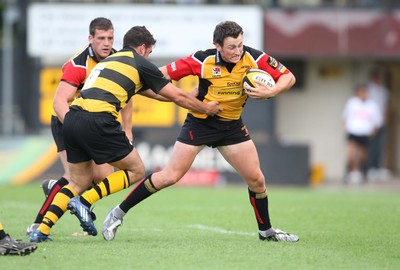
(284, 83)
(64, 94)
(61, 109)
(188, 101)
(126, 116)
(150, 94)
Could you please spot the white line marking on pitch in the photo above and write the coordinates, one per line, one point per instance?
(218, 230)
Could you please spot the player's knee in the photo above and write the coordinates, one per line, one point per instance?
(99, 176)
(169, 180)
(256, 183)
(141, 171)
(136, 173)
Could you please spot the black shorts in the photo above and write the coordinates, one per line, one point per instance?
(360, 140)
(94, 136)
(56, 130)
(212, 132)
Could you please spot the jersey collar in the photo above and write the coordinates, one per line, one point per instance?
(219, 61)
(93, 55)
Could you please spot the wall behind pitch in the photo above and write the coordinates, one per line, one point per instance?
(62, 28)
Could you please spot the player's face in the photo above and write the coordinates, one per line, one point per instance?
(102, 43)
(362, 93)
(232, 49)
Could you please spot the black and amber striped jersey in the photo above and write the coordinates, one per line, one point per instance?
(116, 79)
(222, 81)
(78, 67)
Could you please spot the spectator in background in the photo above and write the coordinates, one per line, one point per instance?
(362, 119)
(378, 93)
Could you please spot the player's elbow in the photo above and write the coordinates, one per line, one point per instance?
(292, 79)
(56, 105)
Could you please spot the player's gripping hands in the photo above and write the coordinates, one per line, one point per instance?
(262, 91)
(213, 108)
(214, 105)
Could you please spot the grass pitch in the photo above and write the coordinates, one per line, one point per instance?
(214, 228)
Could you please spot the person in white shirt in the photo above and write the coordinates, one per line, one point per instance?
(362, 119)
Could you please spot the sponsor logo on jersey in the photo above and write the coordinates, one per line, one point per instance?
(281, 68)
(173, 66)
(272, 62)
(232, 92)
(229, 93)
(247, 67)
(233, 84)
(216, 71)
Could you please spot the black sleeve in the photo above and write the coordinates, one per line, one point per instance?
(150, 75)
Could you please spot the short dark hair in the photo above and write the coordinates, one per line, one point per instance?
(137, 36)
(226, 29)
(100, 23)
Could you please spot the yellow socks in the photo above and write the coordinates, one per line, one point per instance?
(57, 208)
(115, 182)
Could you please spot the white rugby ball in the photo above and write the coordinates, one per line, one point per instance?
(257, 74)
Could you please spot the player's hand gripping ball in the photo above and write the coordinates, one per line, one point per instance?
(261, 80)
(257, 74)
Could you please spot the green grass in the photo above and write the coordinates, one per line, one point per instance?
(207, 228)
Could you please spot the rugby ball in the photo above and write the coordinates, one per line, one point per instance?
(257, 74)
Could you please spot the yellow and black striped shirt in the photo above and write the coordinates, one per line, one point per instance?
(116, 79)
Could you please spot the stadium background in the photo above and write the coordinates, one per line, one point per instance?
(329, 45)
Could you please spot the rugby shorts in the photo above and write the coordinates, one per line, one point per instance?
(212, 132)
(94, 136)
(56, 130)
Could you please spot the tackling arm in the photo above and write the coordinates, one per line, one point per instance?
(151, 94)
(188, 101)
